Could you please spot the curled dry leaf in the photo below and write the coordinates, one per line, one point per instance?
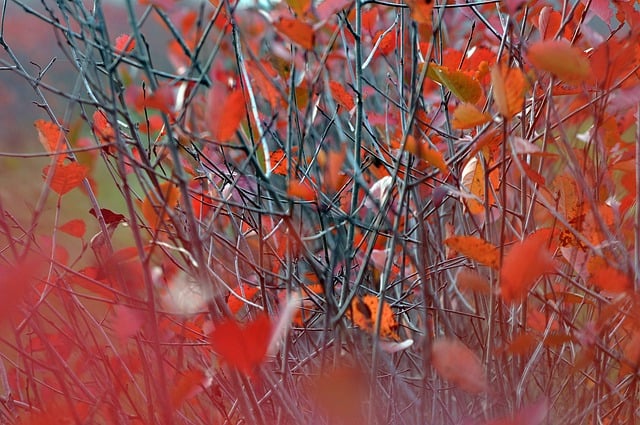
(364, 311)
(456, 363)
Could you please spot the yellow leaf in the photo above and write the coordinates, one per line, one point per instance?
(475, 248)
(463, 86)
(561, 59)
(467, 116)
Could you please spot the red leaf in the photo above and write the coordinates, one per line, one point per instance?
(524, 264)
(232, 113)
(124, 44)
(242, 348)
(109, 216)
(75, 227)
(66, 177)
(297, 31)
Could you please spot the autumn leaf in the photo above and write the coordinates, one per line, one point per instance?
(75, 228)
(472, 182)
(109, 216)
(456, 363)
(101, 127)
(297, 31)
(472, 281)
(509, 89)
(561, 59)
(242, 347)
(300, 7)
(467, 116)
(301, 190)
(525, 262)
(188, 385)
(425, 152)
(232, 114)
(631, 355)
(364, 312)
(126, 322)
(124, 44)
(329, 8)
(50, 137)
(606, 277)
(66, 177)
(341, 96)
(463, 86)
(154, 208)
(475, 248)
(421, 11)
(246, 291)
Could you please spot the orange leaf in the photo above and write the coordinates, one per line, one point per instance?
(364, 312)
(456, 363)
(279, 162)
(75, 227)
(341, 96)
(467, 116)
(300, 190)
(434, 158)
(561, 59)
(524, 264)
(124, 44)
(475, 248)
(154, 209)
(66, 177)
(232, 113)
(50, 136)
(509, 89)
(421, 10)
(297, 31)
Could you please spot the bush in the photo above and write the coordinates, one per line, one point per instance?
(334, 212)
